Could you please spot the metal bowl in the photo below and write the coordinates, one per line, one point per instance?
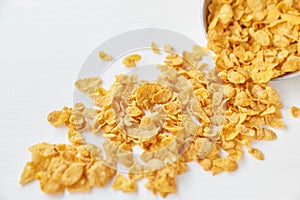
(204, 23)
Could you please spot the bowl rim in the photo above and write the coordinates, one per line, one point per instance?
(205, 13)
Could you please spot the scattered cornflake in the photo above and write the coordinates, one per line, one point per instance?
(256, 153)
(75, 137)
(59, 167)
(168, 48)
(155, 48)
(206, 164)
(105, 56)
(88, 85)
(59, 118)
(295, 112)
(126, 185)
(131, 60)
(173, 60)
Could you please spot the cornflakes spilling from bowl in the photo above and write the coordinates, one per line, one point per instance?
(189, 121)
(258, 39)
(189, 113)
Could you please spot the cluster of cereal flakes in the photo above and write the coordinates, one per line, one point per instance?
(76, 168)
(168, 136)
(235, 98)
(254, 41)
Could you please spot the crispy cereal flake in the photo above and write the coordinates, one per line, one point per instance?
(295, 112)
(131, 60)
(155, 48)
(121, 183)
(104, 56)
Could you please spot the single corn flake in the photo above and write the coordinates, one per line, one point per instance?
(173, 60)
(236, 77)
(225, 14)
(292, 18)
(131, 60)
(256, 153)
(134, 111)
(230, 165)
(72, 174)
(295, 112)
(206, 164)
(104, 56)
(88, 85)
(75, 137)
(122, 183)
(168, 48)
(58, 118)
(155, 48)
(262, 37)
(82, 185)
(28, 173)
(144, 94)
(162, 96)
(262, 76)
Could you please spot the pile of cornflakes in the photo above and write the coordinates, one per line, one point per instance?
(253, 42)
(76, 168)
(187, 114)
(173, 120)
(188, 121)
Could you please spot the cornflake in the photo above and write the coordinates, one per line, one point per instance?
(105, 56)
(295, 112)
(88, 85)
(256, 153)
(155, 48)
(131, 60)
(168, 48)
(121, 183)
